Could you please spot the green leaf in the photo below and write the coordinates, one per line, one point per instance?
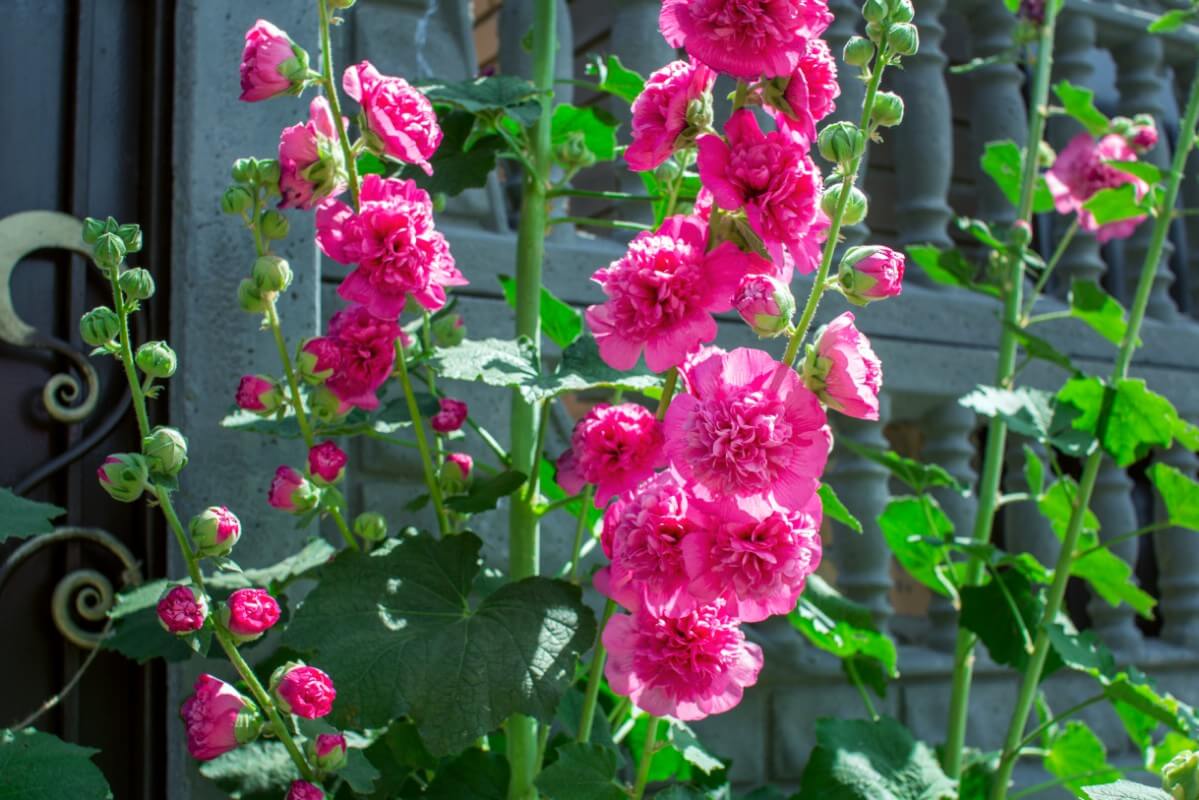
(1124, 790)
(951, 268)
(1036, 347)
(863, 760)
(1138, 420)
(910, 525)
(919, 476)
(1034, 471)
(679, 757)
(1057, 504)
(560, 321)
(1004, 162)
(484, 495)
(474, 775)
(489, 96)
(314, 555)
(359, 773)
(842, 627)
(582, 772)
(981, 231)
(1172, 20)
(370, 164)
(464, 160)
(615, 78)
(1098, 309)
(1077, 756)
(1180, 494)
(835, 509)
(38, 766)
(1079, 103)
(1027, 411)
(582, 369)
(597, 128)
(990, 612)
(1144, 170)
(1112, 578)
(1115, 204)
(254, 771)
(21, 518)
(136, 631)
(396, 631)
(396, 754)
(495, 362)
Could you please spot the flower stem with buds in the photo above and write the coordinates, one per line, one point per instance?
(334, 102)
(422, 444)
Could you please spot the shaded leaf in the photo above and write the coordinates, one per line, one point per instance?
(919, 476)
(951, 268)
(485, 495)
(1034, 471)
(842, 627)
(990, 612)
(489, 95)
(1124, 790)
(464, 160)
(21, 518)
(315, 554)
(474, 775)
(582, 772)
(38, 766)
(255, 771)
(138, 635)
(1036, 347)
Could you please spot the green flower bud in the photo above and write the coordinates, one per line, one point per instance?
(888, 110)
(245, 170)
(249, 723)
(341, 5)
(137, 283)
(1046, 155)
(574, 153)
(271, 274)
(1020, 234)
(99, 326)
(215, 531)
(903, 39)
(855, 209)
(268, 172)
(109, 251)
(875, 10)
(236, 199)
(902, 11)
(131, 235)
(274, 225)
(124, 476)
(440, 199)
(92, 229)
(156, 359)
(250, 298)
(858, 51)
(841, 142)
(370, 526)
(166, 451)
(1180, 777)
(326, 407)
(875, 31)
(449, 330)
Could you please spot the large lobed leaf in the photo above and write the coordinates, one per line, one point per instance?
(916, 530)
(1077, 756)
(38, 766)
(582, 772)
(1004, 613)
(21, 518)
(846, 629)
(1124, 790)
(1136, 421)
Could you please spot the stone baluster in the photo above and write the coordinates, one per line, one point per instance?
(1025, 530)
(1112, 504)
(863, 561)
(849, 104)
(1178, 566)
(1073, 61)
(1190, 199)
(948, 442)
(924, 142)
(1141, 81)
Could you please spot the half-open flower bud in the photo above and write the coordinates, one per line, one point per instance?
(303, 690)
(182, 610)
(124, 476)
(249, 613)
(215, 531)
(218, 719)
(291, 492)
(765, 303)
(259, 394)
(327, 463)
(871, 273)
(327, 752)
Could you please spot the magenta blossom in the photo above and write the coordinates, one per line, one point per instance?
(394, 244)
(291, 492)
(685, 667)
(758, 562)
(399, 120)
(303, 790)
(249, 613)
(217, 719)
(665, 110)
(270, 63)
(462, 462)
(811, 92)
(367, 348)
(747, 39)
(770, 175)
(311, 166)
(327, 463)
(748, 430)
(259, 394)
(842, 369)
(662, 294)
(182, 610)
(613, 447)
(450, 417)
(1081, 171)
(303, 690)
(871, 273)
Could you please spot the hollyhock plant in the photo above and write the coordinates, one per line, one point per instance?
(303, 790)
(291, 492)
(394, 245)
(687, 667)
(327, 463)
(662, 294)
(367, 347)
(182, 610)
(1081, 171)
(450, 417)
(748, 429)
(303, 690)
(218, 719)
(771, 176)
(259, 394)
(311, 165)
(614, 447)
(249, 613)
(398, 120)
(676, 100)
(842, 369)
(747, 39)
(758, 562)
(271, 63)
(871, 273)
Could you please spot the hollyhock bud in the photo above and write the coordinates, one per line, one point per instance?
(244, 170)
(573, 153)
(218, 719)
(842, 369)
(215, 531)
(902, 10)
(303, 690)
(274, 225)
(93, 229)
(99, 326)
(856, 207)
(124, 476)
(303, 790)
(841, 143)
(455, 473)
(165, 450)
(249, 613)
(903, 39)
(327, 463)
(871, 273)
(1142, 136)
(449, 330)
(182, 610)
(858, 51)
(326, 407)
(271, 64)
(317, 359)
(370, 526)
(259, 394)
(451, 416)
(1180, 777)
(1032, 10)
(250, 299)
(1021, 233)
(327, 752)
(341, 5)
(875, 10)
(236, 200)
(312, 166)
(156, 360)
(291, 492)
(766, 304)
(137, 284)
(271, 274)
(131, 235)
(888, 110)
(109, 251)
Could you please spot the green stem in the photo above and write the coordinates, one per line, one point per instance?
(571, 192)
(1048, 316)
(668, 388)
(597, 222)
(422, 444)
(580, 529)
(1124, 537)
(591, 695)
(1090, 473)
(861, 687)
(565, 501)
(992, 473)
(135, 387)
(647, 757)
(1058, 252)
(335, 104)
(1069, 712)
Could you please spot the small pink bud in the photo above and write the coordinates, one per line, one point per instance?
(871, 273)
(318, 359)
(303, 690)
(215, 531)
(1143, 138)
(843, 370)
(765, 303)
(327, 463)
(124, 476)
(218, 719)
(182, 610)
(451, 416)
(259, 394)
(455, 473)
(291, 492)
(248, 613)
(271, 63)
(327, 752)
(303, 790)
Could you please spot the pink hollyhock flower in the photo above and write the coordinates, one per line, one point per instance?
(451, 417)
(842, 369)
(643, 534)
(182, 610)
(765, 303)
(663, 292)
(394, 244)
(770, 175)
(303, 690)
(399, 120)
(871, 273)
(318, 359)
(311, 165)
(747, 39)
(685, 667)
(749, 430)
(613, 447)
(811, 91)
(327, 463)
(249, 613)
(368, 352)
(291, 492)
(217, 719)
(303, 790)
(269, 63)
(664, 111)
(757, 562)
(259, 394)
(1080, 171)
